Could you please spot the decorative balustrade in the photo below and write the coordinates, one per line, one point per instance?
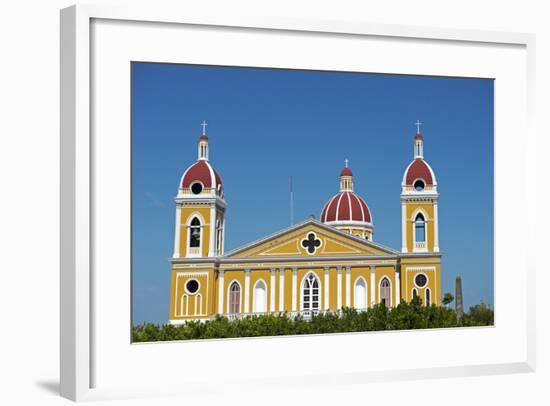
(305, 314)
(420, 245)
(195, 251)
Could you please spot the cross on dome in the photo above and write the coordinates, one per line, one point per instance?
(418, 124)
(204, 124)
(346, 162)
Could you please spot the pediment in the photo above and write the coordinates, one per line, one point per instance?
(310, 239)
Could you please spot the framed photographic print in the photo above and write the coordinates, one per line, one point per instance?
(326, 200)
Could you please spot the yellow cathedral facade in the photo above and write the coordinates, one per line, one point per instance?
(312, 267)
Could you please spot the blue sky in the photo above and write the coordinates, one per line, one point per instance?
(266, 125)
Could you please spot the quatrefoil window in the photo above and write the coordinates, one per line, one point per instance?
(311, 243)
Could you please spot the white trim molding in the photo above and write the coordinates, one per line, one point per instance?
(220, 290)
(177, 232)
(339, 287)
(229, 296)
(327, 293)
(319, 296)
(380, 290)
(348, 286)
(372, 285)
(403, 227)
(357, 280)
(282, 289)
(272, 281)
(255, 299)
(247, 290)
(397, 286)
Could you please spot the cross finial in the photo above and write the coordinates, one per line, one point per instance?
(346, 162)
(203, 124)
(418, 124)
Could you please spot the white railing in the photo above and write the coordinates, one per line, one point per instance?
(194, 251)
(420, 245)
(305, 314)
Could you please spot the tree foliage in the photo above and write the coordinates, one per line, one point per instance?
(406, 316)
(447, 299)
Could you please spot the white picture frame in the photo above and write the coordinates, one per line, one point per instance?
(78, 346)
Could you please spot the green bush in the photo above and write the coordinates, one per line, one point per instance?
(406, 316)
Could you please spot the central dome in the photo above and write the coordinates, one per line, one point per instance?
(348, 211)
(346, 206)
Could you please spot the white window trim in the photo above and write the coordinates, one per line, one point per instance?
(426, 296)
(185, 287)
(228, 299)
(360, 278)
(315, 238)
(254, 295)
(319, 308)
(191, 186)
(412, 293)
(380, 291)
(202, 225)
(427, 280)
(426, 218)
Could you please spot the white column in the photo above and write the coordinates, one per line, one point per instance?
(223, 236)
(272, 290)
(397, 286)
(348, 286)
(246, 291)
(339, 288)
(403, 227)
(294, 288)
(327, 291)
(212, 243)
(221, 288)
(436, 227)
(282, 290)
(372, 284)
(177, 232)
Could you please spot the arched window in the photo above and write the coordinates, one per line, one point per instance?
(414, 293)
(195, 233)
(234, 298)
(385, 292)
(419, 228)
(310, 293)
(360, 296)
(428, 297)
(198, 304)
(260, 297)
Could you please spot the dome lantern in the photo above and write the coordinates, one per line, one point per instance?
(346, 210)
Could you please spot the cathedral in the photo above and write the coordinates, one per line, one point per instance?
(312, 267)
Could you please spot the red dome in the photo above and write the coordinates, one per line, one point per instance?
(346, 172)
(419, 169)
(346, 206)
(203, 138)
(203, 172)
(418, 136)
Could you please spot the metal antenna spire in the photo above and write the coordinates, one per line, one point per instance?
(291, 203)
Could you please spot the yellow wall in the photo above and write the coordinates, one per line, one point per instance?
(177, 291)
(409, 272)
(410, 267)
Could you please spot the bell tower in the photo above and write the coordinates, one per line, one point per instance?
(200, 208)
(419, 203)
